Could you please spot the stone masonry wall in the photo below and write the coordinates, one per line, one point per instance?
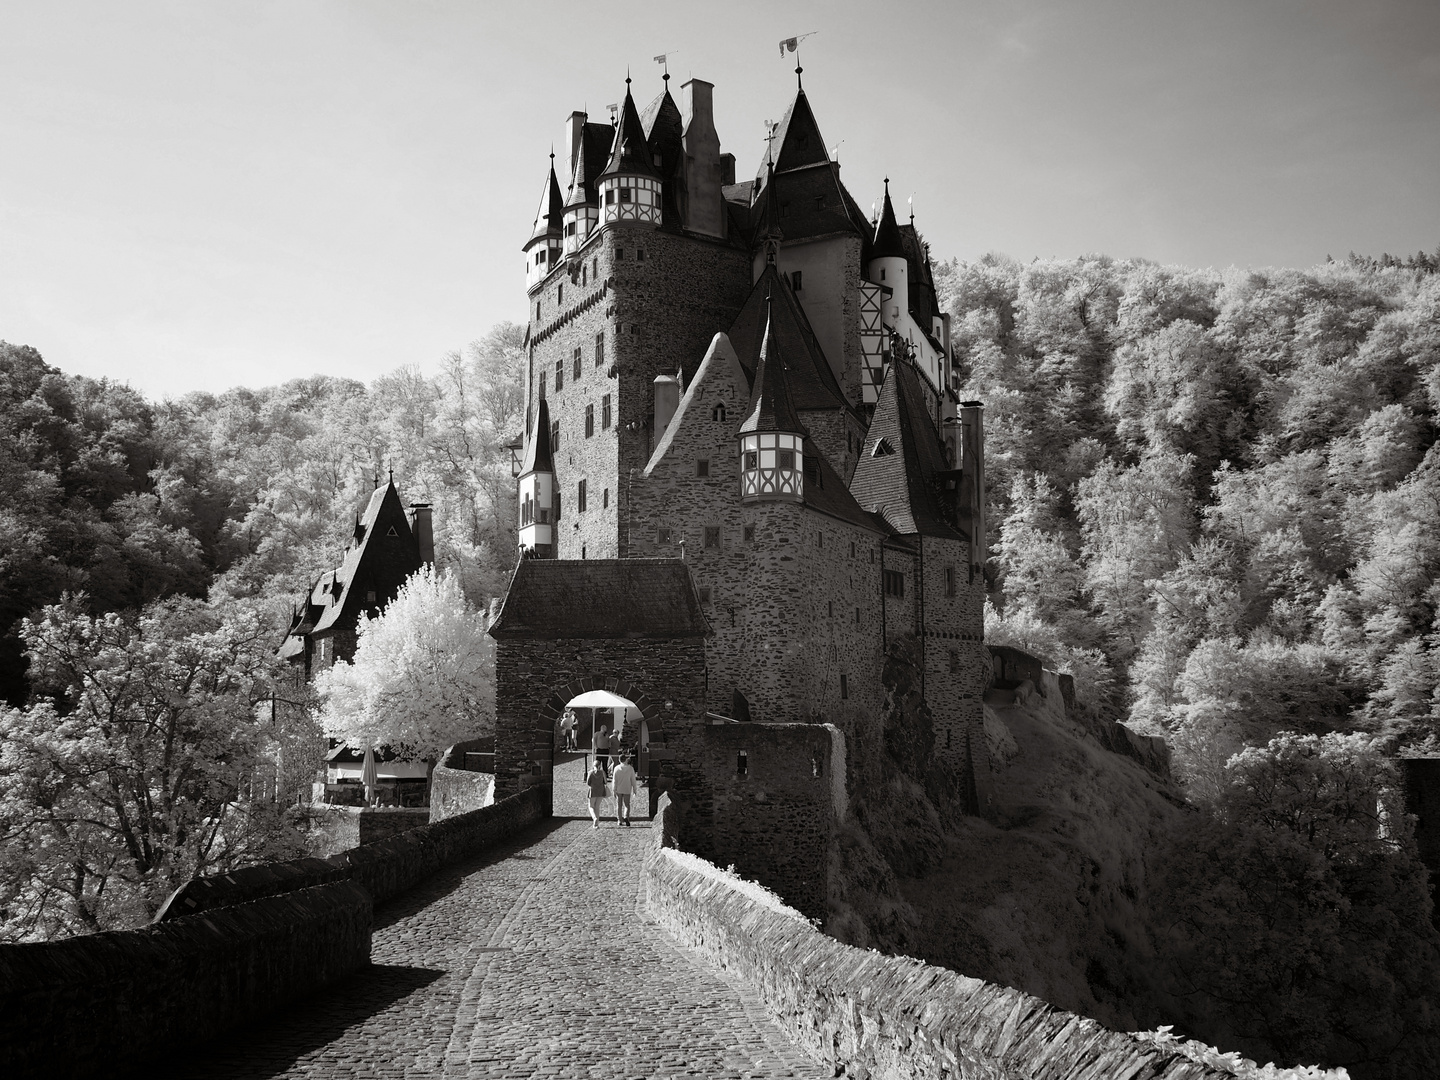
(89, 1006)
(774, 822)
(957, 663)
(456, 791)
(657, 314)
(871, 1015)
(665, 678)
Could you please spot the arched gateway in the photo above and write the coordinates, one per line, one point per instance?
(631, 626)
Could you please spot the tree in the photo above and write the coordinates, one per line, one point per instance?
(1299, 913)
(135, 774)
(422, 678)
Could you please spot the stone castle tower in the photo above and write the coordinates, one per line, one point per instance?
(755, 377)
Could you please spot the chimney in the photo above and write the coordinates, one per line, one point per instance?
(574, 131)
(423, 531)
(667, 400)
(704, 208)
(972, 485)
(727, 168)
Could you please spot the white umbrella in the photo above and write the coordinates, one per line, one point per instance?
(370, 775)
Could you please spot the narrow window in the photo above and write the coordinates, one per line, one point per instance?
(742, 763)
(795, 280)
(583, 278)
(639, 254)
(580, 496)
(844, 686)
(882, 273)
(537, 310)
(577, 364)
(559, 375)
(605, 499)
(589, 420)
(542, 385)
(595, 268)
(749, 534)
(819, 539)
(712, 536)
(619, 254)
(752, 461)
(950, 583)
(954, 661)
(857, 616)
(947, 738)
(830, 608)
(852, 549)
(600, 349)
(554, 435)
(605, 412)
(582, 551)
(894, 583)
(705, 595)
(718, 413)
(610, 197)
(662, 535)
(559, 295)
(702, 467)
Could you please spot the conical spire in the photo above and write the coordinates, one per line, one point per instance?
(538, 456)
(582, 191)
(630, 153)
(887, 233)
(549, 219)
(771, 408)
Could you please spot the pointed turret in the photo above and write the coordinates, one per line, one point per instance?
(537, 488)
(629, 185)
(772, 439)
(887, 242)
(546, 237)
(582, 205)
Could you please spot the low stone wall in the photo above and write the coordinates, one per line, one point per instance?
(872, 1015)
(385, 868)
(91, 1006)
(382, 822)
(456, 791)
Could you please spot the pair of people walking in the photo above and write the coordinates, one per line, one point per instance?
(623, 785)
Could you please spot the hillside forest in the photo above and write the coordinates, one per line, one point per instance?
(1214, 501)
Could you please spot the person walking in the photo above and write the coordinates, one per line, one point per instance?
(596, 780)
(623, 784)
(567, 729)
(602, 748)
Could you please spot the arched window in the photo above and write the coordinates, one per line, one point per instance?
(718, 413)
(589, 420)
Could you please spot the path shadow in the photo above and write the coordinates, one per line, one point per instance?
(275, 1043)
(449, 878)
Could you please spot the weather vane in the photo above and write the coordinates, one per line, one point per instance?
(664, 61)
(792, 44)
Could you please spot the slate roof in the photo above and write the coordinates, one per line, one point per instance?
(811, 379)
(827, 493)
(797, 142)
(904, 486)
(923, 306)
(664, 132)
(538, 456)
(630, 152)
(594, 151)
(601, 598)
(383, 512)
(771, 407)
(887, 240)
(549, 219)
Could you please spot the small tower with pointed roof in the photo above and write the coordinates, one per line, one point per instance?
(537, 489)
(629, 185)
(887, 259)
(543, 248)
(772, 441)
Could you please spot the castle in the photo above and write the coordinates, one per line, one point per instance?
(752, 377)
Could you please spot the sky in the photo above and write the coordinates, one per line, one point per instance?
(198, 195)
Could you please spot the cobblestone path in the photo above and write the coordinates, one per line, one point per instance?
(535, 959)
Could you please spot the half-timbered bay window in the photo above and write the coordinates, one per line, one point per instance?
(770, 465)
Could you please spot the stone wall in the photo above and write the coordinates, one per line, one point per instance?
(657, 315)
(385, 868)
(775, 821)
(871, 1015)
(456, 791)
(91, 1006)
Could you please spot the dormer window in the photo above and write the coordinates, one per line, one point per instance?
(882, 448)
